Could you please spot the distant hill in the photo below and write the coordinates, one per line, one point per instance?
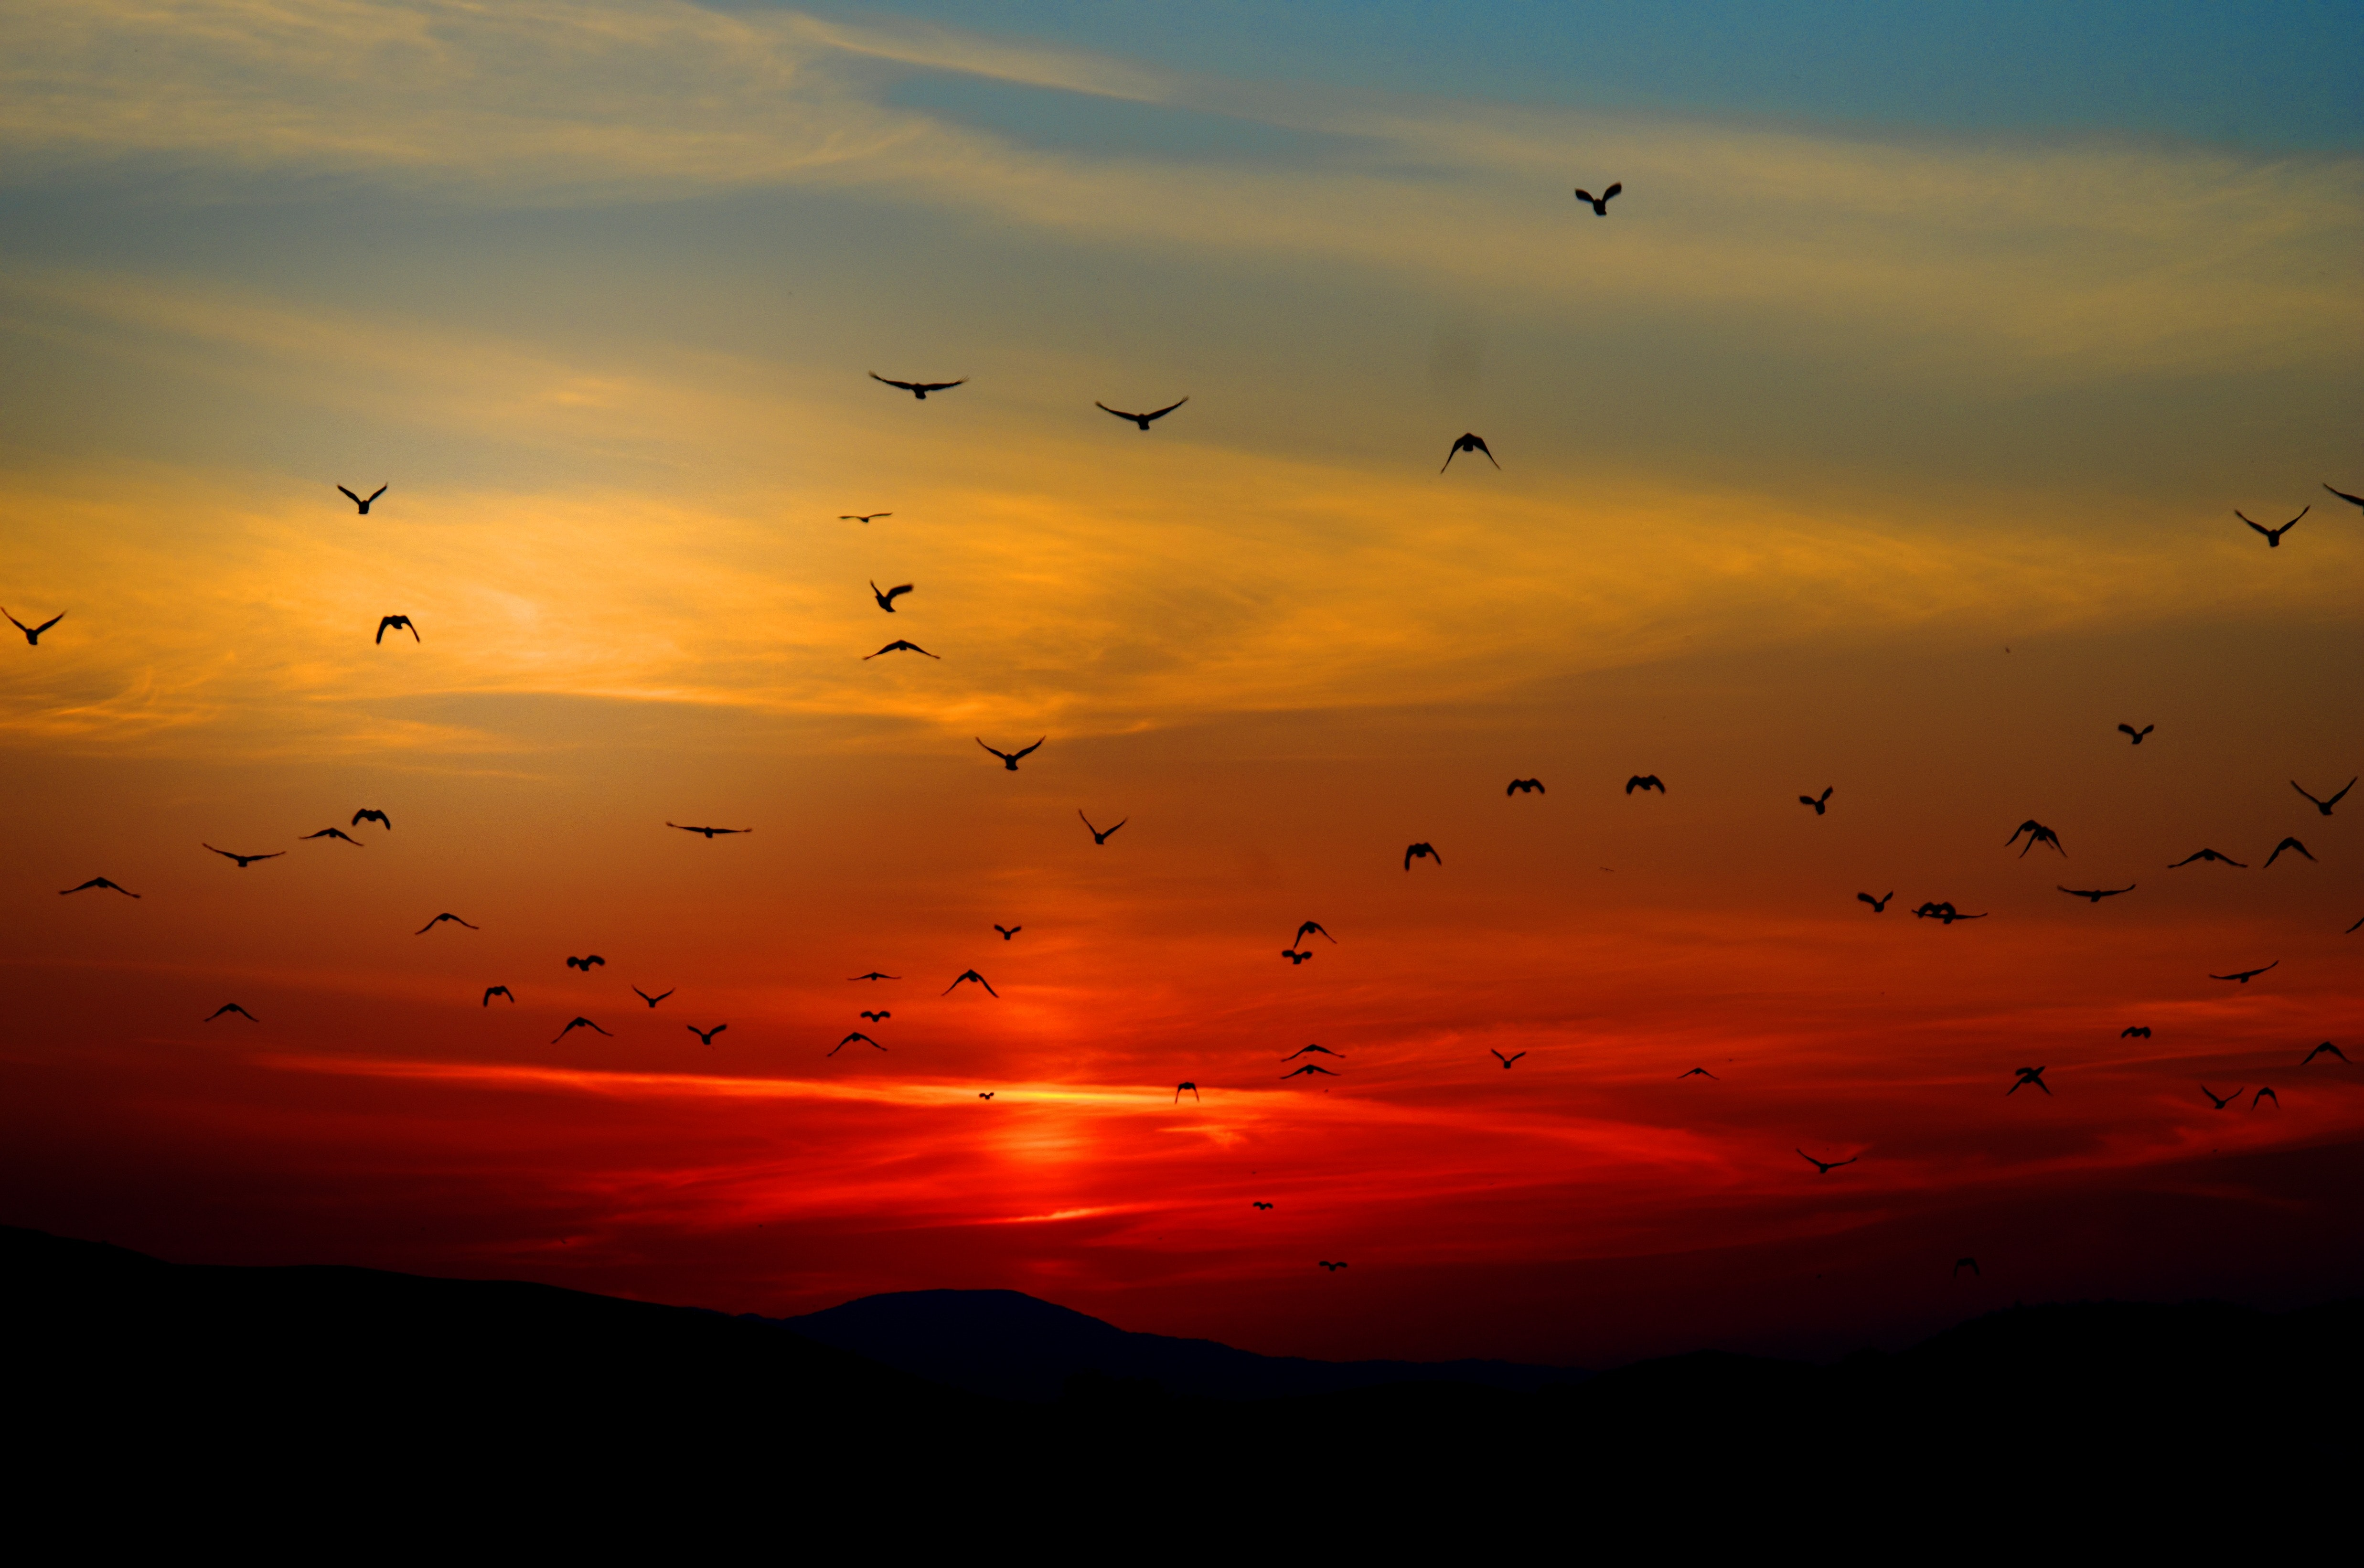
(1012, 1346)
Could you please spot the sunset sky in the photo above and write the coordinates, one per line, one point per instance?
(1885, 436)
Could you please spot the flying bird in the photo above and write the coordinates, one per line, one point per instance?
(584, 963)
(1696, 1073)
(887, 599)
(1179, 1087)
(33, 633)
(1961, 1264)
(919, 389)
(2023, 1077)
(1099, 837)
(2135, 1032)
(1308, 928)
(244, 861)
(230, 1008)
(1942, 912)
(899, 646)
(862, 517)
(1259, 1202)
(1323, 1049)
(357, 501)
(1879, 905)
(653, 1001)
(395, 623)
(2351, 500)
(1600, 204)
(371, 813)
(2273, 536)
(2209, 855)
(849, 1040)
(2287, 844)
(1325, 1263)
(334, 833)
(1824, 1167)
(577, 1024)
(1526, 786)
(1818, 804)
(2324, 806)
(877, 1018)
(710, 832)
(874, 975)
(1009, 758)
(2245, 975)
(2137, 734)
(1421, 853)
(1009, 931)
(2038, 833)
(2223, 1100)
(493, 991)
(706, 1037)
(438, 920)
(1294, 956)
(984, 1094)
(2267, 1093)
(1506, 1060)
(1469, 443)
(1309, 1067)
(2095, 894)
(2319, 1049)
(1140, 420)
(966, 975)
(1645, 781)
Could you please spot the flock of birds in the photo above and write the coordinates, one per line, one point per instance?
(1298, 951)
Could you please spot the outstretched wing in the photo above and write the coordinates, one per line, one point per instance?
(378, 492)
(1117, 412)
(350, 497)
(1036, 747)
(61, 615)
(2333, 801)
(1612, 189)
(1169, 408)
(906, 385)
(2351, 500)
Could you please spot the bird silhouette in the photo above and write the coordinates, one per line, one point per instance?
(2137, 734)
(245, 861)
(1824, 1167)
(2223, 1100)
(33, 633)
(2095, 894)
(1878, 905)
(862, 517)
(395, 623)
(2024, 1076)
(850, 1039)
(2245, 975)
(2324, 806)
(1098, 836)
(333, 833)
(899, 646)
(1309, 928)
(1600, 204)
(1140, 420)
(1645, 781)
(984, 1094)
(2038, 833)
(2319, 1049)
(1326, 1264)
(1009, 931)
(653, 1001)
(1818, 804)
(584, 963)
(2287, 844)
(1294, 956)
(1259, 1202)
(1526, 786)
(2209, 855)
(966, 975)
(2273, 536)
(2358, 926)
(1184, 1084)
(874, 975)
(1961, 1264)
(880, 1017)
(919, 389)
(2351, 500)
(579, 1023)
(438, 920)
(1009, 758)
(2135, 1032)
(493, 991)
(2266, 1093)
(1468, 442)
(1309, 1067)
(1942, 912)
(708, 832)
(1506, 1060)
(230, 1008)
(1696, 1073)
(1421, 853)
(706, 1037)
(357, 501)
(1323, 1049)
(887, 599)
(371, 813)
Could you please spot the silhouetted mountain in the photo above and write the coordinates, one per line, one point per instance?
(1012, 1346)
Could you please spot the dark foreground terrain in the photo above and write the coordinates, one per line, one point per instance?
(269, 1403)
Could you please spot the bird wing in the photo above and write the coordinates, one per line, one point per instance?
(1169, 408)
(1612, 189)
(904, 384)
(980, 740)
(223, 854)
(61, 615)
(2333, 801)
(350, 497)
(2351, 500)
(20, 626)
(1036, 747)
(378, 492)
(1117, 412)
(891, 592)
(2302, 789)
(2238, 513)
(1582, 194)
(940, 385)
